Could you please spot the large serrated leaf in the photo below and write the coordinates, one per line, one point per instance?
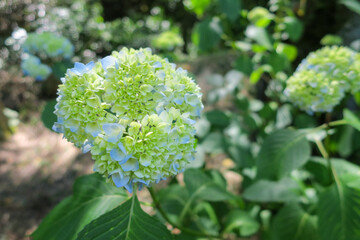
(282, 152)
(126, 222)
(294, 223)
(339, 210)
(92, 197)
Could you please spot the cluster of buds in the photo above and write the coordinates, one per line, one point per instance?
(323, 78)
(135, 113)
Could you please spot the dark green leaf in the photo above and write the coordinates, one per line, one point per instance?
(48, 116)
(231, 8)
(282, 152)
(207, 33)
(126, 222)
(292, 222)
(59, 68)
(285, 190)
(339, 210)
(92, 197)
(244, 64)
(218, 118)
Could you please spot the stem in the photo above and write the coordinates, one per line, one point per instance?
(175, 225)
(332, 124)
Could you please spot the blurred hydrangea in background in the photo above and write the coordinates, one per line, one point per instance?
(48, 44)
(33, 67)
(323, 78)
(134, 111)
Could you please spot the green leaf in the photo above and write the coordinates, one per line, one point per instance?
(244, 64)
(218, 118)
(292, 222)
(92, 197)
(330, 39)
(345, 143)
(339, 210)
(200, 186)
(282, 151)
(197, 6)
(207, 33)
(126, 222)
(320, 169)
(256, 75)
(241, 222)
(294, 27)
(48, 116)
(290, 51)
(260, 35)
(278, 62)
(283, 116)
(352, 119)
(213, 143)
(353, 5)
(59, 68)
(285, 190)
(230, 8)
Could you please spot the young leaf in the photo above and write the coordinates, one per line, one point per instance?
(269, 191)
(294, 223)
(282, 152)
(339, 210)
(126, 222)
(92, 197)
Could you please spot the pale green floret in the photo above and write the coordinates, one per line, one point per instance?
(135, 112)
(323, 78)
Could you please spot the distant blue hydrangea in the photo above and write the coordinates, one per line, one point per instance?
(32, 66)
(49, 44)
(134, 112)
(322, 79)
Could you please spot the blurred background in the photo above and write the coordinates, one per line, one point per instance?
(241, 52)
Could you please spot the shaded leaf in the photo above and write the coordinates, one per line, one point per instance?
(48, 116)
(284, 190)
(292, 222)
(241, 222)
(231, 8)
(207, 33)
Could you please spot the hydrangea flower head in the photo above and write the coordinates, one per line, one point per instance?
(33, 67)
(49, 44)
(135, 113)
(323, 78)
